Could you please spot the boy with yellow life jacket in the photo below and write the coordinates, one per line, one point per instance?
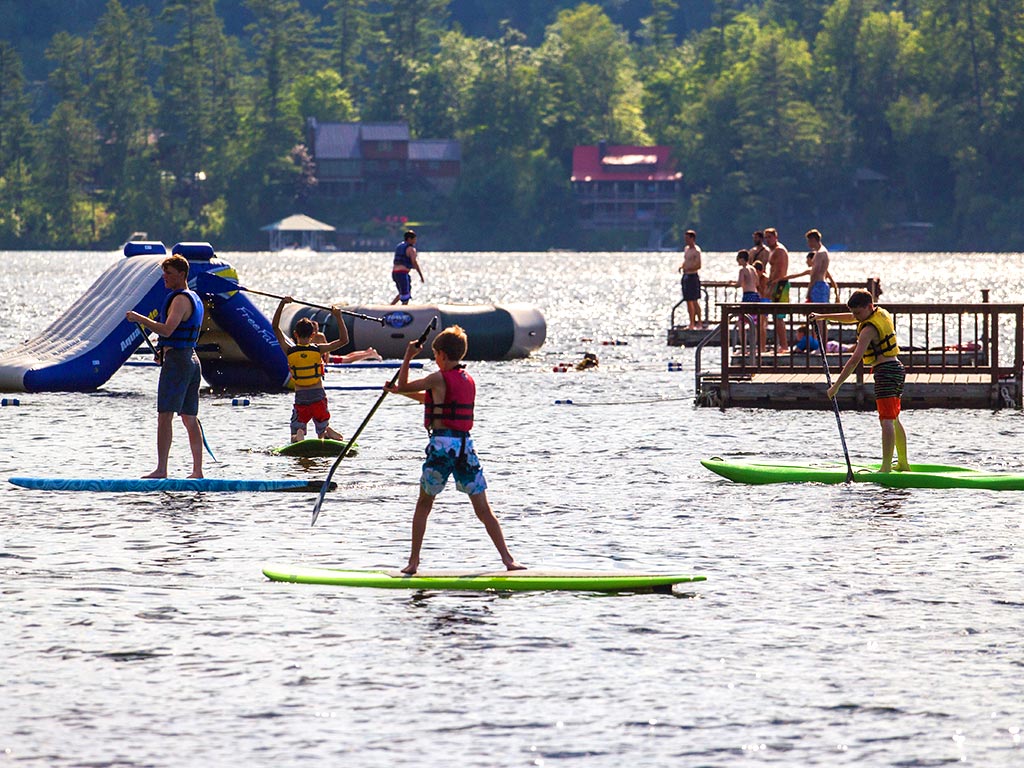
(876, 344)
(448, 396)
(305, 361)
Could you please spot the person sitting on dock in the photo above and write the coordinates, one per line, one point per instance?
(305, 361)
(405, 260)
(448, 396)
(876, 344)
(691, 279)
(804, 342)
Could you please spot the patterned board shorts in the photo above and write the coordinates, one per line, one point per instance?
(448, 456)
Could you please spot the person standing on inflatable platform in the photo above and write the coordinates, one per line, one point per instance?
(448, 396)
(180, 375)
(876, 344)
(306, 363)
(405, 260)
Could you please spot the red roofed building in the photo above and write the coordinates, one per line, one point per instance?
(626, 187)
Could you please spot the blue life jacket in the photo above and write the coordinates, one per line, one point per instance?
(186, 334)
(401, 259)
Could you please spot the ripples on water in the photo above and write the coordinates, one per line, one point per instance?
(838, 626)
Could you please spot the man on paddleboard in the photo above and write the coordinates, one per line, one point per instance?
(876, 344)
(448, 396)
(180, 375)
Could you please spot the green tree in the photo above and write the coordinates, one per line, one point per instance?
(15, 146)
(595, 91)
(67, 159)
(348, 35)
(198, 115)
(125, 112)
(408, 31)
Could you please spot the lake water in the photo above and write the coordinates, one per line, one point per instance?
(838, 626)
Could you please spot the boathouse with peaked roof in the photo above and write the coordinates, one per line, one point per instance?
(299, 231)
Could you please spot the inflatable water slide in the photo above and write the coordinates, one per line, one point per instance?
(237, 347)
(86, 345)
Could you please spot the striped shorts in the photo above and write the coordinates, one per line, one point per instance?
(889, 378)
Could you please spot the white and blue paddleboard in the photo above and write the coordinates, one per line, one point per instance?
(143, 485)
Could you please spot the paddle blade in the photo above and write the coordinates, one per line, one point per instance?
(319, 503)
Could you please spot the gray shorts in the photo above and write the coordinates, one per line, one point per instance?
(180, 375)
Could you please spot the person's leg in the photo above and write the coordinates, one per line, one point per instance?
(424, 504)
(902, 463)
(195, 443)
(164, 433)
(486, 516)
(781, 340)
(888, 443)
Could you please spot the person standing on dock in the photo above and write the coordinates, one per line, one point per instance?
(746, 281)
(819, 292)
(758, 252)
(405, 260)
(691, 280)
(876, 344)
(778, 267)
(180, 374)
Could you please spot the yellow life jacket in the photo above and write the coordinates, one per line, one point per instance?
(306, 365)
(885, 345)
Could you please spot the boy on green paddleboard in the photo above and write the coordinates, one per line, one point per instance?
(305, 361)
(876, 344)
(448, 396)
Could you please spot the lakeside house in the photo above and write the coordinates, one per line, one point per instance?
(379, 159)
(626, 187)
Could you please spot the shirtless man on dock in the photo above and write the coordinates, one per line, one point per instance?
(818, 293)
(691, 280)
(778, 268)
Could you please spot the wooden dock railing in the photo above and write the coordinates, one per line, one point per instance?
(716, 292)
(961, 344)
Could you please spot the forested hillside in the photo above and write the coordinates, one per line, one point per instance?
(185, 118)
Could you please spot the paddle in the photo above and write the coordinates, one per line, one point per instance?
(156, 353)
(835, 402)
(344, 452)
(211, 283)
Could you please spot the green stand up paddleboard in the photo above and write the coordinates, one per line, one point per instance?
(316, 447)
(520, 581)
(919, 476)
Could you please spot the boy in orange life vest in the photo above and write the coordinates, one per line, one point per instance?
(305, 361)
(448, 396)
(876, 344)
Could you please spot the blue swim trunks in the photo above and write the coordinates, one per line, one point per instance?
(818, 293)
(178, 389)
(403, 281)
(452, 455)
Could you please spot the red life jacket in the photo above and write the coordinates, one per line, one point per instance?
(457, 410)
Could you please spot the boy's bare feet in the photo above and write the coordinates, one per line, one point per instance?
(512, 565)
(412, 567)
(299, 436)
(154, 475)
(195, 476)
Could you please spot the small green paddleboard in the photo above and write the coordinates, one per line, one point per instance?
(521, 581)
(316, 447)
(919, 476)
